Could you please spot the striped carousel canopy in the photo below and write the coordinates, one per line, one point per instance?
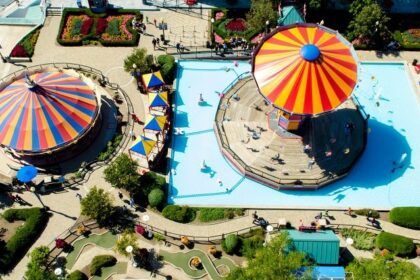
(45, 110)
(305, 68)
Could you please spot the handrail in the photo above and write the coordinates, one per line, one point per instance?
(95, 164)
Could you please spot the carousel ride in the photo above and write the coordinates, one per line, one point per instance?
(292, 124)
(47, 116)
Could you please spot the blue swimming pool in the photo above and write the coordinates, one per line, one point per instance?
(385, 93)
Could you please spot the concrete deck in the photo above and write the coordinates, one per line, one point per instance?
(277, 158)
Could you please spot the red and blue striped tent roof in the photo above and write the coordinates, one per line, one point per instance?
(153, 79)
(305, 68)
(50, 114)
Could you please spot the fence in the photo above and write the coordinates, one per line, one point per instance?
(89, 167)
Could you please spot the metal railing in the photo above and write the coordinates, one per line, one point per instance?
(196, 52)
(91, 166)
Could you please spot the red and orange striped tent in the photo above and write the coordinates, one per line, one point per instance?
(305, 68)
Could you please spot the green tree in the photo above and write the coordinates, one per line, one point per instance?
(156, 197)
(37, 266)
(370, 24)
(122, 173)
(125, 239)
(316, 4)
(275, 261)
(98, 205)
(357, 6)
(140, 58)
(260, 12)
(381, 268)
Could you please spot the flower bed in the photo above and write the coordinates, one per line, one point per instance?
(236, 25)
(82, 27)
(26, 46)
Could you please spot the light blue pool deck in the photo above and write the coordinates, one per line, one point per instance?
(394, 128)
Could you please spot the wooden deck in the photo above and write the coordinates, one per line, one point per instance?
(281, 162)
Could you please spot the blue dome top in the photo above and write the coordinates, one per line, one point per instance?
(310, 52)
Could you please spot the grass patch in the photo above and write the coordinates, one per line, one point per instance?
(363, 240)
(106, 240)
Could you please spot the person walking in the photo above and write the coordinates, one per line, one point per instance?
(158, 42)
(154, 43)
(120, 195)
(132, 202)
(79, 196)
(178, 45)
(155, 22)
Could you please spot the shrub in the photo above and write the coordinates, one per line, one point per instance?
(179, 214)
(150, 181)
(77, 275)
(251, 245)
(363, 240)
(211, 214)
(101, 261)
(35, 221)
(156, 197)
(365, 211)
(408, 217)
(101, 25)
(167, 67)
(397, 244)
(231, 244)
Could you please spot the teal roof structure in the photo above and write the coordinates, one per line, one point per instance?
(322, 246)
(290, 15)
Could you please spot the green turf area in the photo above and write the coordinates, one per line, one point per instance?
(181, 260)
(106, 240)
(118, 268)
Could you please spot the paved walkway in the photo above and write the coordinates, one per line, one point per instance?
(110, 61)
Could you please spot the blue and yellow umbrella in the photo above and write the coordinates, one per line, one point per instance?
(159, 99)
(143, 146)
(156, 123)
(153, 79)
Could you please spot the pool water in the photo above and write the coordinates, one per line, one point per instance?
(384, 92)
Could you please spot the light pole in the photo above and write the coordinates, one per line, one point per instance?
(268, 229)
(58, 272)
(145, 219)
(267, 23)
(129, 249)
(163, 26)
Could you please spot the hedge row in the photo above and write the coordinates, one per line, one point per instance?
(98, 262)
(400, 245)
(92, 36)
(16, 247)
(180, 214)
(408, 217)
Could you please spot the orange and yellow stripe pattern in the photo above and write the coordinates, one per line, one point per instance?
(54, 112)
(300, 86)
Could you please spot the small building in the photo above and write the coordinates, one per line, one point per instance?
(323, 246)
(290, 15)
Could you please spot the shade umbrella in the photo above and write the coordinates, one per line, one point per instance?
(44, 111)
(26, 173)
(153, 79)
(143, 146)
(155, 123)
(305, 69)
(158, 99)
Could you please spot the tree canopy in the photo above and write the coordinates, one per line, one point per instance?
(37, 266)
(275, 261)
(98, 205)
(357, 6)
(141, 59)
(370, 24)
(381, 268)
(260, 12)
(122, 173)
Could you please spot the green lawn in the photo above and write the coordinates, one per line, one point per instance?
(118, 268)
(181, 260)
(106, 240)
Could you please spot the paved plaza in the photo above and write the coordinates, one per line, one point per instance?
(64, 204)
